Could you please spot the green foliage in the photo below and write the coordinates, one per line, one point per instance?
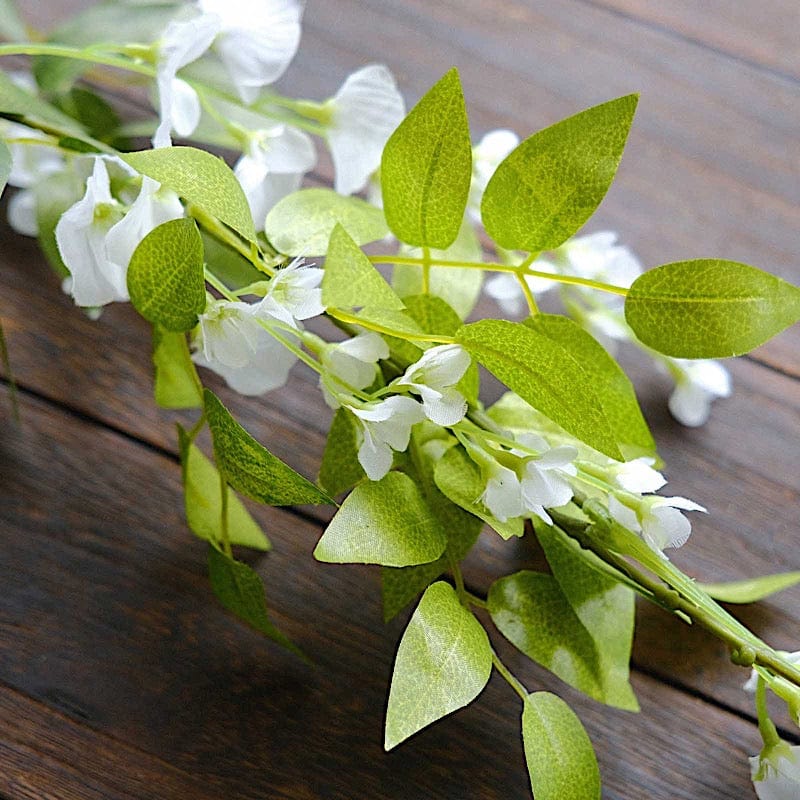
(340, 469)
(401, 585)
(561, 761)
(94, 113)
(459, 478)
(54, 195)
(229, 266)
(199, 178)
(383, 522)
(350, 280)
(16, 102)
(240, 590)
(250, 468)
(443, 663)
(434, 315)
(11, 25)
(301, 224)
(546, 188)
(110, 22)
(460, 288)
(165, 276)
(203, 502)
(176, 381)
(5, 165)
(426, 168)
(750, 590)
(545, 374)
(709, 308)
(603, 606)
(612, 385)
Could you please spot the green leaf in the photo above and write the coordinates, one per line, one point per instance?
(351, 280)
(400, 585)
(200, 178)
(426, 168)
(5, 165)
(250, 468)
(434, 315)
(165, 276)
(92, 111)
(544, 374)
(383, 522)
(12, 26)
(203, 504)
(614, 390)
(561, 761)
(176, 381)
(16, 102)
(443, 663)
(340, 469)
(459, 478)
(604, 607)
(460, 288)
(547, 187)
(709, 308)
(240, 590)
(54, 195)
(751, 590)
(229, 266)
(301, 224)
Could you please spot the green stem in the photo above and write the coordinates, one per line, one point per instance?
(219, 231)
(512, 681)
(474, 600)
(352, 319)
(766, 727)
(78, 54)
(494, 267)
(196, 428)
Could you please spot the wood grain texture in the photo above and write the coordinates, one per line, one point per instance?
(108, 619)
(113, 642)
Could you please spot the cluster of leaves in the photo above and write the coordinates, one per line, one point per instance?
(424, 516)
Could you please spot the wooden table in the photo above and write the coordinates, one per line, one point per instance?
(121, 677)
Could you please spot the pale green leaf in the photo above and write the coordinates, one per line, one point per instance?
(200, 178)
(459, 287)
(709, 308)
(350, 280)
(240, 590)
(544, 374)
(459, 478)
(340, 469)
(426, 168)
(383, 522)
(233, 269)
(434, 315)
(176, 381)
(560, 757)
(549, 185)
(614, 390)
(443, 663)
(203, 502)
(250, 468)
(15, 101)
(5, 164)
(165, 275)
(750, 590)
(604, 607)
(400, 585)
(301, 223)
(54, 195)
(12, 26)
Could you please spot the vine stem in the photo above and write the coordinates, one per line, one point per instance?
(510, 679)
(766, 727)
(408, 336)
(226, 538)
(495, 267)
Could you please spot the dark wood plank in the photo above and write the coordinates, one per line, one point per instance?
(764, 33)
(107, 618)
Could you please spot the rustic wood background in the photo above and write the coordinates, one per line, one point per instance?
(120, 676)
